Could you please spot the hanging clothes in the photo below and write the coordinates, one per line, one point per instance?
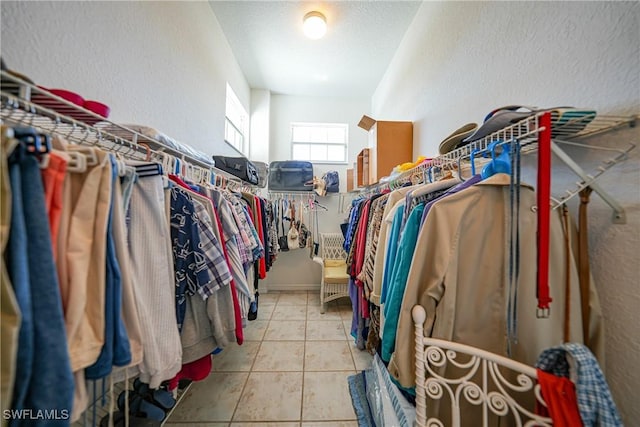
(458, 275)
(373, 236)
(559, 395)
(11, 317)
(53, 177)
(393, 303)
(130, 316)
(81, 267)
(209, 318)
(191, 273)
(152, 265)
(43, 376)
(116, 350)
(227, 246)
(131, 274)
(383, 244)
(81, 263)
(595, 403)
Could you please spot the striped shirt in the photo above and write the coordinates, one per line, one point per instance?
(212, 251)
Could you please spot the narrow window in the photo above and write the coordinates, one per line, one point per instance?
(236, 123)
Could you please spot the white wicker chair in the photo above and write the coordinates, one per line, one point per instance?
(335, 280)
(496, 385)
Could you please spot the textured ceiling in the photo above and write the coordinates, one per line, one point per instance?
(267, 40)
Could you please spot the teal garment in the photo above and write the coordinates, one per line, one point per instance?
(398, 283)
(392, 250)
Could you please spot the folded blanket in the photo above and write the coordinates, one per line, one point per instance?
(165, 140)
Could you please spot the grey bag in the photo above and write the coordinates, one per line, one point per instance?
(263, 173)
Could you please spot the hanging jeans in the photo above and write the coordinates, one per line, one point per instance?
(43, 372)
(116, 350)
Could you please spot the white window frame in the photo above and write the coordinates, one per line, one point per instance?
(236, 123)
(345, 144)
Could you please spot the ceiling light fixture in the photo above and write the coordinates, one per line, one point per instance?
(314, 25)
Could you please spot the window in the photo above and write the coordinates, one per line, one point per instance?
(319, 142)
(236, 123)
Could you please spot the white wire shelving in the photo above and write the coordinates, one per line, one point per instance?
(26, 104)
(527, 132)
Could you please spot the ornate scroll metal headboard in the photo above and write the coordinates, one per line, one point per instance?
(481, 380)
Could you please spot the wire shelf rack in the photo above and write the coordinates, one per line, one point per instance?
(570, 131)
(26, 104)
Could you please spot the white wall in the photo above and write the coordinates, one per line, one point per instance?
(294, 270)
(458, 61)
(260, 125)
(286, 109)
(162, 64)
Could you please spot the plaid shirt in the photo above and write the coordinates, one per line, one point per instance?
(595, 402)
(212, 251)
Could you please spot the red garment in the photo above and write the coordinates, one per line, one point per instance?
(359, 256)
(195, 371)
(258, 224)
(53, 181)
(234, 294)
(559, 393)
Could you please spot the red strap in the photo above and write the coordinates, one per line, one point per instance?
(544, 210)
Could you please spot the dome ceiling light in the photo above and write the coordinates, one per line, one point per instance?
(314, 25)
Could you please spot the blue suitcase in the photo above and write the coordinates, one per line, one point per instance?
(290, 175)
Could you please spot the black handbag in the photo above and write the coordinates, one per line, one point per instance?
(239, 167)
(290, 175)
(283, 243)
(332, 181)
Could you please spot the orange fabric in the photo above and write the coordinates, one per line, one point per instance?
(53, 180)
(559, 393)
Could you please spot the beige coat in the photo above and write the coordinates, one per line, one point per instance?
(459, 274)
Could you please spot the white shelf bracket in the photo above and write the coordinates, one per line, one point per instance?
(619, 215)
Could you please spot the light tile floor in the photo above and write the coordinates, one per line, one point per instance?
(291, 370)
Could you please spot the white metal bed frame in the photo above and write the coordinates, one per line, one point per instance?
(483, 382)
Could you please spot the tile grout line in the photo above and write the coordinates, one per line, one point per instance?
(246, 381)
(304, 358)
(269, 323)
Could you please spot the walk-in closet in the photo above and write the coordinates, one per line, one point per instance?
(320, 214)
